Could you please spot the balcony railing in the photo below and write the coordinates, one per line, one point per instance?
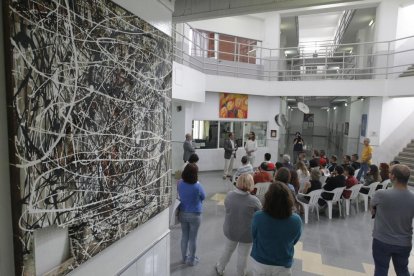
(309, 61)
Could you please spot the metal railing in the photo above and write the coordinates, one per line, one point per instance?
(351, 61)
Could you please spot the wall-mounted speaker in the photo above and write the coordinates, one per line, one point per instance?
(179, 107)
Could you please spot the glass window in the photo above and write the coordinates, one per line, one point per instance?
(205, 134)
(238, 133)
(225, 128)
(259, 128)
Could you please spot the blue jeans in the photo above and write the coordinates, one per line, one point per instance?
(362, 171)
(190, 222)
(382, 254)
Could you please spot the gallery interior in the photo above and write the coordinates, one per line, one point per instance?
(97, 96)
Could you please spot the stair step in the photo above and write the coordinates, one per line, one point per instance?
(408, 154)
(403, 159)
(408, 149)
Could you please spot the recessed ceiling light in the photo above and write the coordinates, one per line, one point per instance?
(334, 107)
(346, 104)
(371, 22)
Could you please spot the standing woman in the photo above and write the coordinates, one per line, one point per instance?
(297, 146)
(240, 207)
(251, 147)
(275, 232)
(191, 194)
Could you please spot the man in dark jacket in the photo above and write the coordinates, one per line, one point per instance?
(229, 154)
(337, 180)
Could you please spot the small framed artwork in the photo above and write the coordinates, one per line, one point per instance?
(273, 133)
(346, 131)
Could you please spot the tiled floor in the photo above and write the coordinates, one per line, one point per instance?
(340, 247)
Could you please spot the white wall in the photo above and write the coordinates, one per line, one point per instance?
(242, 26)
(188, 84)
(6, 231)
(405, 28)
(260, 109)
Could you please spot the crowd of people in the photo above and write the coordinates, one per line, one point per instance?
(268, 230)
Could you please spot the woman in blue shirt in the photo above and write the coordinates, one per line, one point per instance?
(191, 195)
(275, 231)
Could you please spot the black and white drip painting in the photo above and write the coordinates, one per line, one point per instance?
(90, 100)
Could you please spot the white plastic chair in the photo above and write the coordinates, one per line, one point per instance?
(336, 199)
(385, 184)
(354, 194)
(322, 179)
(261, 189)
(372, 188)
(313, 202)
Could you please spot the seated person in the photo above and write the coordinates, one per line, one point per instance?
(331, 167)
(278, 165)
(294, 180)
(270, 164)
(313, 164)
(283, 175)
(193, 159)
(350, 181)
(323, 169)
(346, 161)
(395, 162)
(246, 167)
(354, 162)
(312, 185)
(262, 175)
(384, 169)
(286, 162)
(371, 177)
(336, 180)
(302, 157)
(303, 174)
(322, 156)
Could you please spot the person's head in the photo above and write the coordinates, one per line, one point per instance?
(315, 153)
(400, 174)
(395, 162)
(278, 201)
(322, 162)
(322, 153)
(189, 174)
(244, 160)
(374, 171)
(263, 166)
(188, 137)
(313, 163)
(297, 134)
(334, 159)
(302, 155)
(347, 159)
(252, 136)
(278, 165)
(267, 156)
(339, 170)
(349, 171)
(283, 175)
(384, 171)
(286, 158)
(354, 157)
(193, 158)
(231, 136)
(245, 182)
(301, 166)
(366, 141)
(315, 174)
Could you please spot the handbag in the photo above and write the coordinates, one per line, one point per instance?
(174, 215)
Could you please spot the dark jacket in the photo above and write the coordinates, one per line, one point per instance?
(331, 184)
(188, 150)
(228, 149)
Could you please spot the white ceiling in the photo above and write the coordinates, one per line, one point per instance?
(318, 27)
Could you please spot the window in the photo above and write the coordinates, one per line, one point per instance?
(211, 134)
(259, 128)
(205, 134)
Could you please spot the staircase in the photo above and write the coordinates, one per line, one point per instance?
(406, 157)
(408, 73)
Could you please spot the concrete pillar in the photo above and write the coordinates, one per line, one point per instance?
(271, 41)
(385, 30)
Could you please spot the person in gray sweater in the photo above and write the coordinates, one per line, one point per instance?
(240, 207)
(393, 210)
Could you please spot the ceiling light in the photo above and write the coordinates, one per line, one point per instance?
(371, 22)
(346, 104)
(328, 109)
(362, 99)
(334, 107)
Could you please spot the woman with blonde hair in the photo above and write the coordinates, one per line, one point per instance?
(240, 207)
(303, 174)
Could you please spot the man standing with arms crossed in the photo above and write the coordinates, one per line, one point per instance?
(393, 210)
(229, 155)
(366, 156)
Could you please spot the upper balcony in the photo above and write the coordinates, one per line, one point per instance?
(324, 60)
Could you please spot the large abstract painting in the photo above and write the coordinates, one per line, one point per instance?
(89, 98)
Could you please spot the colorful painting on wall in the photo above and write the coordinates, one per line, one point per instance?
(233, 106)
(89, 98)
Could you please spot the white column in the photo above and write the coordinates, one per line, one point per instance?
(385, 30)
(272, 41)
